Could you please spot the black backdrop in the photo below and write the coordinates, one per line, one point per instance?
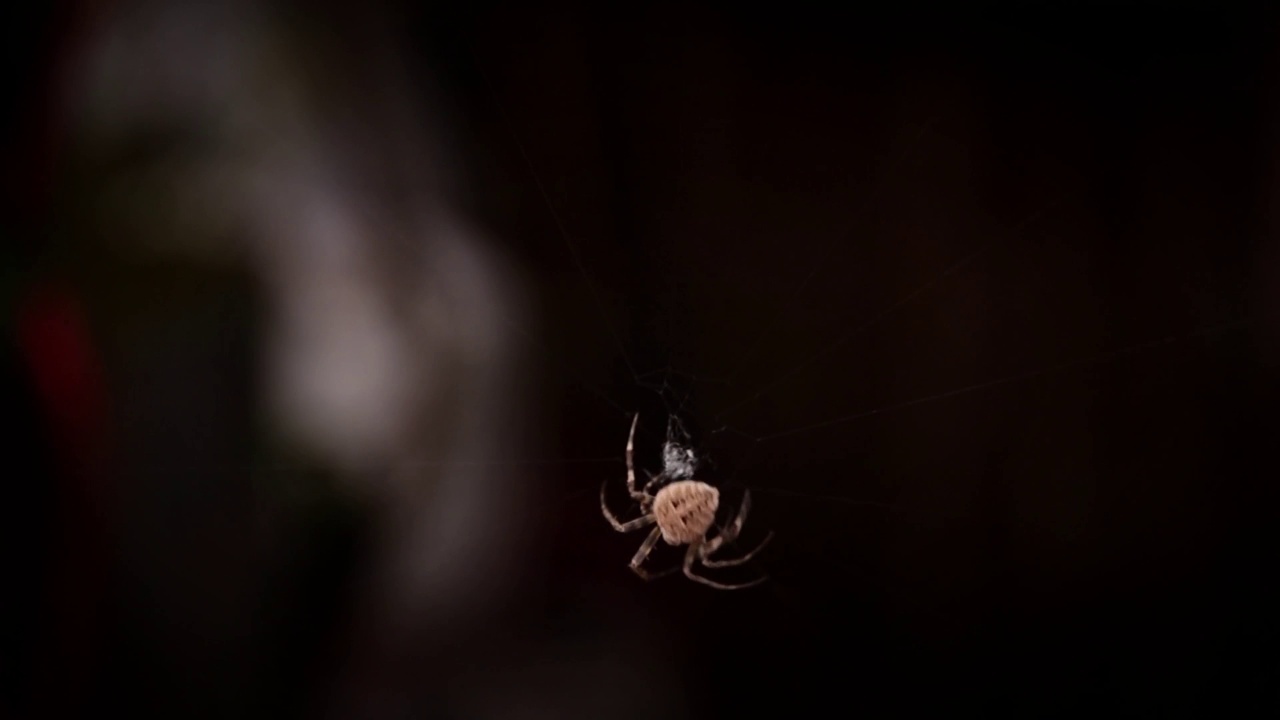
(789, 215)
(759, 195)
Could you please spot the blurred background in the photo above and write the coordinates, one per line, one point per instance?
(324, 323)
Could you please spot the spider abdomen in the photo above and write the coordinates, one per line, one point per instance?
(685, 510)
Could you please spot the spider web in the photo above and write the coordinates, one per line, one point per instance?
(734, 399)
(895, 413)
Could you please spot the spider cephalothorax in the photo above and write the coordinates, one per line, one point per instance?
(679, 462)
(684, 511)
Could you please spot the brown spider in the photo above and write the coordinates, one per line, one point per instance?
(684, 512)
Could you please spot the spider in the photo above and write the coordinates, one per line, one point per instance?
(684, 511)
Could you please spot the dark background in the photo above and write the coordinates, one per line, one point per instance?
(1052, 228)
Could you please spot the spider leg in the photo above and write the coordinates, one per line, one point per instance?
(708, 562)
(654, 480)
(690, 557)
(730, 533)
(642, 554)
(631, 469)
(642, 521)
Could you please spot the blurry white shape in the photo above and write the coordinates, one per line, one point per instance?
(387, 348)
(393, 332)
(340, 372)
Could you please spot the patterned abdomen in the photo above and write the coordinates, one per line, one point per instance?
(685, 510)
